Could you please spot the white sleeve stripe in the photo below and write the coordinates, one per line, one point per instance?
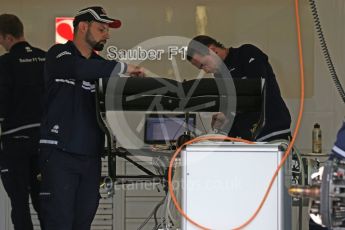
(273, 134)
(65, 81)
(338, 150)
(119, 68)
(21, 128)
(122, 67)
(50, 142)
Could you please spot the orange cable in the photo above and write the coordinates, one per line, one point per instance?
(286, 154)
(171, 189)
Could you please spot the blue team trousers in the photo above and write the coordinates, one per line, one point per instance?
(19, 170)
(69, 194)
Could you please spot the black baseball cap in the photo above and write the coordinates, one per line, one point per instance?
(95, 13)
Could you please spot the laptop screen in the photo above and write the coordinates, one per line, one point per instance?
(166, 128)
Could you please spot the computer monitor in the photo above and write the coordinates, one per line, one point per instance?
(166, 128)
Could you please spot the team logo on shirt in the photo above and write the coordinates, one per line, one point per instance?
(28, 49)
(55, 129)
(62, 54)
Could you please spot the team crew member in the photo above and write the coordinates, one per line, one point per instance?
(71, 139)
(244, 62)
(338, 149)
(21, 90)
(338, 152)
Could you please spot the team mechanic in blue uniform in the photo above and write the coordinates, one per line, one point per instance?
(338, 149)
(338, 152)
(71, 140)
(249, 62)
(21, 90)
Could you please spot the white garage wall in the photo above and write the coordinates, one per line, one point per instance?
(325, 105)
(268, 24)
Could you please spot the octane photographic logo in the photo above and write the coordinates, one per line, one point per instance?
(128, 126)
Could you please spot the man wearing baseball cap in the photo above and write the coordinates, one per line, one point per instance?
(96, 13)
(71, 140)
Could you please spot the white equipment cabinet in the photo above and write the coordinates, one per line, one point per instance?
(223, 184)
